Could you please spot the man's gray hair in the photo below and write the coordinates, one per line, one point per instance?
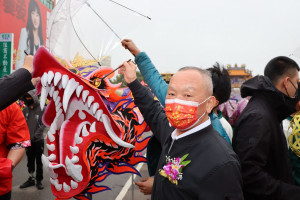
(206, 78)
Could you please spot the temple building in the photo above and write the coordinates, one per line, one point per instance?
(167, 76)
(238, 75)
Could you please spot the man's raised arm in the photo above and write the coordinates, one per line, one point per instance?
(150, 74)
(151, 110)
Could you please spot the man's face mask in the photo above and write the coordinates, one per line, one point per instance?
(28, 101)
(297, 90)
(183, 114)
(291, 102)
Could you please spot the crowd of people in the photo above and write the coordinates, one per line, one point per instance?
(194, 152)
(258, 140)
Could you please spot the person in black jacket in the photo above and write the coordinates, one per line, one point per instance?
(258, 137)
(16, 84)
(33, 115)
(195, 162)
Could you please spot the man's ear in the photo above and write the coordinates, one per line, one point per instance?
(282, 84)
(211, 103)
(217, 103)
(285, 81)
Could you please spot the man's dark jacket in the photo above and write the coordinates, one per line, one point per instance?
(14, 86)
(33, 118)
(214, 171)
(260, 143)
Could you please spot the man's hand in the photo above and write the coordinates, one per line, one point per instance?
(34, 81)
(16, 155)
(28, 63)
(128, 70)
(146, 185)
(128, 44)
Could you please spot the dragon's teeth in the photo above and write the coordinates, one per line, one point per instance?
(57, 185)
(44, 79)
(50, 136)
(90, 100)
(53, 126)
(74, 150)
(70, 88)
(74, 184)
(99, 114)
(85, 93)
(52, 181)
(50, 147)
(55, 95)
(78, 139)
(66, 187)
(58, 107)
(59, 112)
(60, 85)
(46, 164)
(57, 100)
(64, 81)
(85, 131)
(52, 157)
(93, 127)
(75, 159)
(51, 91)
(60, 119)
(112, 134)
(74, 170)
(50, 76)
(57, 78)
(44, 94)
(79, 90)
(95, 107)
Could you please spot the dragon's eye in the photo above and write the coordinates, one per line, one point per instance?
(97, 82)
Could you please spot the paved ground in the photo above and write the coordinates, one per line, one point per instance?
(133, 192)
(116, 183)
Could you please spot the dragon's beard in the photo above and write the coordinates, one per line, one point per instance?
(77, 116)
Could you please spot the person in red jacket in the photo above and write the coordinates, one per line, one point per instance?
(14, 137)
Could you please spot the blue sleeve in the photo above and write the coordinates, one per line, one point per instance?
(152, 77)
(218, 126)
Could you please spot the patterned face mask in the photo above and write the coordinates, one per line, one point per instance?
(183, 114)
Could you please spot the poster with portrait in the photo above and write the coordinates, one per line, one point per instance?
(27, 19)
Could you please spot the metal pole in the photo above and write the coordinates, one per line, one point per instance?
(90, 196)
(132, 189)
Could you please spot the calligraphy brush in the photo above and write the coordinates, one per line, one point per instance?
(114, 70)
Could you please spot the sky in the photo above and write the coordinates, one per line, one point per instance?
(201, 32)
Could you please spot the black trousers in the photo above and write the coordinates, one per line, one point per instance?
(34, 155)
(6, 196)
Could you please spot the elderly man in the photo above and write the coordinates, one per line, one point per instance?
(258, 137)
(196, 162)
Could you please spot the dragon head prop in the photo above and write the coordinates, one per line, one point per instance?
(90, 136)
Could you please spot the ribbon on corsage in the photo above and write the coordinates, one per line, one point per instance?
(173, 169)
